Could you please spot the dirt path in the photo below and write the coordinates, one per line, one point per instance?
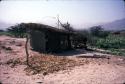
(89, 74)
(96, 71)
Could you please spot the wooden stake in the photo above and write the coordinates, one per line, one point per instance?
(26, 49)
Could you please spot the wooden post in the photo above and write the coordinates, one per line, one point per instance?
(26, 49)
(58, 21)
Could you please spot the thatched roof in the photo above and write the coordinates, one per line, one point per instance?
(43, 27)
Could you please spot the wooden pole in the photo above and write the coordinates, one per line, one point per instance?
(58, 21)
(26, 49)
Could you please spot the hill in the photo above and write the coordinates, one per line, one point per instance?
(115, 25)
(4, 25)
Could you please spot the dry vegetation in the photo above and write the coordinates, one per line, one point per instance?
(46, 64)
(49, 64)
(14, 62)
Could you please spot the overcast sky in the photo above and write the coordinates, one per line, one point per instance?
(79, 13)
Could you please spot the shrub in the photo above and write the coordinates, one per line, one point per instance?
(18, 30)
(112, 41)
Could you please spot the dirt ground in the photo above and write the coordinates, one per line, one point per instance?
(100, 69)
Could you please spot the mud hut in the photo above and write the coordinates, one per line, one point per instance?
(46, 38)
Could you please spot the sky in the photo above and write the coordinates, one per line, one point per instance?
(79, 13)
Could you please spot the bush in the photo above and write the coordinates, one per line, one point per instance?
(112, 41)
(5, 33)
(98, 31)
(18, 30)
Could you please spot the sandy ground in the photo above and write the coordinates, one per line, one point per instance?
(97, 71)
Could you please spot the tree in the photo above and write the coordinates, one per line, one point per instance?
(95, 30)
(83, 37)
(98, 31)
(69, 29)
(80, 41)
(18, 30)
(1, 30)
